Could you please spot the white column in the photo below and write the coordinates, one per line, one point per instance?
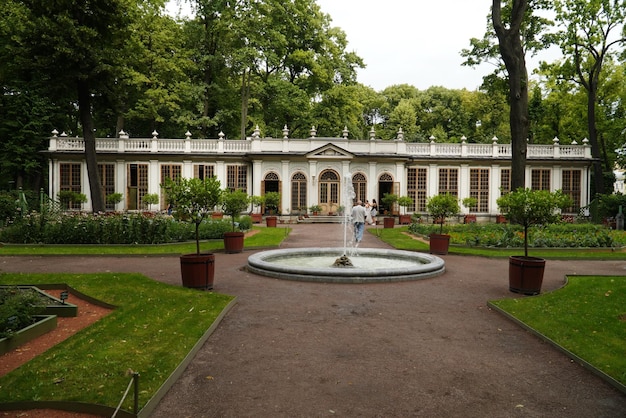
(257, 166)
(312, 195)
(154, 177)
(220, 173)
(433, 179)
(372, 183)
(495, 177)
(285, 193)
(120, 183)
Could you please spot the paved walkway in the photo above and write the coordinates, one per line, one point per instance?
(428, 348)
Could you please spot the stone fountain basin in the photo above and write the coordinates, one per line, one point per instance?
(383, 265)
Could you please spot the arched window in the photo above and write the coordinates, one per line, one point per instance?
(359, 183)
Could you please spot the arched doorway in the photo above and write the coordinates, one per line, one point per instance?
(329, 183)
(386, 185)
(270, 183)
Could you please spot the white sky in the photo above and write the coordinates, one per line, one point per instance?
(416, 42)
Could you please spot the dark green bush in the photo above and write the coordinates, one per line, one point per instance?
(108, 228)
(17, 308)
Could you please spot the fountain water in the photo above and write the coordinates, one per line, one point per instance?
(348, 264)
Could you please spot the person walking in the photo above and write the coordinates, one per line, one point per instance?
(368, 213)
(374, 211)
(358, 220)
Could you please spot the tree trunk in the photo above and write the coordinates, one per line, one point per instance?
(84, 107)
(512, 52)
(245, 95)
(598, 177)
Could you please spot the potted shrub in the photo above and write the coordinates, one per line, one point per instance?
(470, 203)
(233, 203)
(389, 200)
(441, 207)
(114, 198)
(193, 200)
(272, 200)
(404, 202)
(257, 202)
(150, 199)
(527, 208)
(315, 209)
(70, 199)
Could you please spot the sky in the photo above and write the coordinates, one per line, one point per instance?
(415, 42)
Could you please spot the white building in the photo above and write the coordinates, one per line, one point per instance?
(314, 170)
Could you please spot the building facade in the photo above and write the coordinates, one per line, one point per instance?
(316, 171)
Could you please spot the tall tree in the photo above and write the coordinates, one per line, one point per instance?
(517, 30)
(591, 30)
(76, 45)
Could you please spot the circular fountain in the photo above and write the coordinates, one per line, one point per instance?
(369, 265)
(348, 264)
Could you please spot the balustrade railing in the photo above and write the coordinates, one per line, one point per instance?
(373, 146)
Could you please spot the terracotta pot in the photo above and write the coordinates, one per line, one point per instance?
(271, 221)
(469, 219)
(500, 219)
(217, 215)
(439, 243)
(526, 274)
(389, 222)
(257, 218)
(233, 242)
(404, 219)
(198, 270)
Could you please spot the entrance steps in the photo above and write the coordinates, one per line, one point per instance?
(321, 219)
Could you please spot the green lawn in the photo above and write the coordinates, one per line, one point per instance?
(151, 331)
(587, 317)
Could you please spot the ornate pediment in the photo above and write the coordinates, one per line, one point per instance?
(330, 152)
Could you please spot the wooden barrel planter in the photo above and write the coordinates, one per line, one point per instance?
(526, 274)
(271, 221)
(233, 242)
(198, 270)
(389, 222)
(439, 243)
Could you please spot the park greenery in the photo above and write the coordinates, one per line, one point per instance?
(141, 70)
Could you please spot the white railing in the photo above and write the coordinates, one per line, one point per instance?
(287, 145)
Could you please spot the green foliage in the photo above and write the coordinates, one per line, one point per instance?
(150, 199)
(559, 235)
(272, 200)
(441, 207)
(233, 203)
(107, 229)
(527, 207)
(585, 317)
(315, 208)
(17, 308)
(405, 202)
(115, 198)
(608, 205)
(193, 199)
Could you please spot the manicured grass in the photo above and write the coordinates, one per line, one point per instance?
(401, 239)
(266, 237)
(586, 317)
(153, 328)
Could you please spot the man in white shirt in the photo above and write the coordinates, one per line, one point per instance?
(358, 219)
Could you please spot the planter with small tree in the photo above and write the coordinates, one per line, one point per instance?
(272, 201)
(389, 200)
(470, 203)
(150, 199)
(71, 200)
(441, 207)
(404, 202)
(315, 209)
(114, 199)
(193, 200)
(256, 215)
(528, 208)
(233, 203)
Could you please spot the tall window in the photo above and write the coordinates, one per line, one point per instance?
(329, 188)
(449, 181)
(479, 188)
(505, 181)
(359, 183)
(137, 185)
(540, 179)
(70, 180)
(173, 172)
(202, 171)
(298, 192)
(571, 187)
(237, 177)
(107, 180)
(416, 187)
